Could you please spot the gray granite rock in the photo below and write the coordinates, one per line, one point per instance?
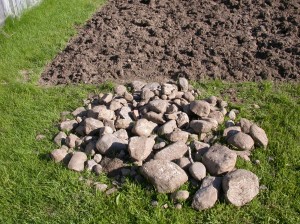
(140, 147)
(77, 161)
(109, 143)
(172, 151)
(197, 171)
(241, 141)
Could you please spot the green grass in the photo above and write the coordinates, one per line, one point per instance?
(35, 190)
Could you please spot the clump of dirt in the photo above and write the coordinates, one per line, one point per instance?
(249, 40)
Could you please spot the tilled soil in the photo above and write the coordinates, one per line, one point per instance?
(158, 40)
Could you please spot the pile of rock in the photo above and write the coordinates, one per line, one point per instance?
(168, 136)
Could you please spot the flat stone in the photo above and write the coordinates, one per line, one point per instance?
(201, 126)
(219, 159)
(200, 108)
(207, 195)
(158, 106)
(140, 147)
(240, 187)
(259, 135)
(68, 125)
(77, 161)
(109, 143)
(197, 171)
(92, 126)
(143, 127)
(166, 176)
(172, 151)
(241, 141)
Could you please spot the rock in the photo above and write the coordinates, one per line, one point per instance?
(200, 108)
(128, 97)
(105, 114)
(60, 138)
(120, 90)
(106, 98)
(228, 132)
(111, 191)
(167, 89)
(92, 126)
(112, 166)
(97, 158)
(121, 134)
(229, 123)
(147, 95)
(178, 135)
(125, 113)
(100, 187)
(184, 163)
(115, 105)
(80, 111)
(90, 164)
(110, 123)
(97, 169)
(200, 149)
(219, 159)
(188, 96)
(198, 171)
(212, 100)
(245, 125)
(158, 146)
(59, 155)
(40, 137)
(90, 148)
(143, 127)
(140, 147)
(217, 115)
(201, 126)
(240, 187)
(182, 120)
(137, 85)
(232, 115)
(105, 130)
(172, 151)
(68, 125)
(109, 143)
(178, 206)
(166, 176)
(77, 161)
(70, 140)
(183, 84)
(123, 123)
(154, 117)
(207, 195)
(152, 86)
(241, 141)
(172, 108)
(167, 128)
(154, 203)
(158, 106)
(259, 135)
(181, 195)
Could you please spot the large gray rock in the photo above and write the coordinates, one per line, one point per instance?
(219, 159)
(167, 128)
(245, 125)
(158, 106)
(240, 186)
(198, 171)
(58, 155)
(140, 147)
(207, 195)
(92, 126)
(200, 108)
(166, 176)
(259, 135)
(241, 141)
(172, 152)
(109, 143)
(178, 135)
(77, 161)
(201, 126)
(143, 127)
(68, 125)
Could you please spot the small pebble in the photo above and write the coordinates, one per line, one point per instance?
(178, 206)
(165, 206)
(154, 203)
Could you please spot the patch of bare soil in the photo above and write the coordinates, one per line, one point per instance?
(249, 40)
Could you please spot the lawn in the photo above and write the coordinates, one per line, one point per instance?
(35, 190)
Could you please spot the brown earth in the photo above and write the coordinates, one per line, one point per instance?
(157, 40)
